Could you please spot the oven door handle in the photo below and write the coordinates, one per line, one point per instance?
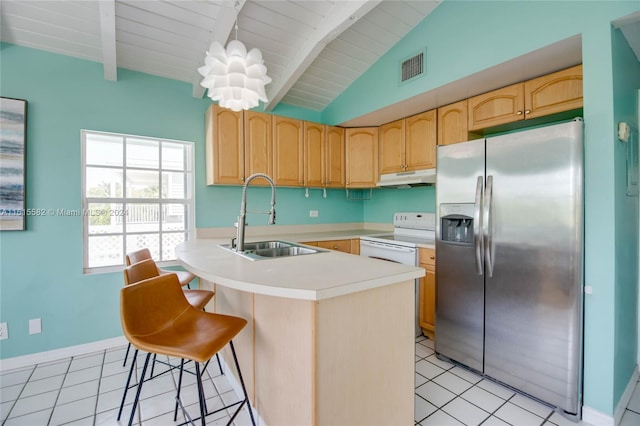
(387, 246)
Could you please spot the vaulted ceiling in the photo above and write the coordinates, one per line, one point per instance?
(313, 50)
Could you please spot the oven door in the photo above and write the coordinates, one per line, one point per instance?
(390, 252)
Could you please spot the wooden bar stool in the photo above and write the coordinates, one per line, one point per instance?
(157, 318)
(185, 277)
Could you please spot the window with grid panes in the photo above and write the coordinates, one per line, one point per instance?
(137, 193)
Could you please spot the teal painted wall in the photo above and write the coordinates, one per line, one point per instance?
(385, 202)
(626, 82)
(464, 37)
(41, 268)
(461, 38)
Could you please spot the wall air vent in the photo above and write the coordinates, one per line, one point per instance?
(412, 67)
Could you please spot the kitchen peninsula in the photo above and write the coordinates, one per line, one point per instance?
(330, 335)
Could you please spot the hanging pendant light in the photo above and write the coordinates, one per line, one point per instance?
(233, 77)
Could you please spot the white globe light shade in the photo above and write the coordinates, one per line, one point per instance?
(233, 77)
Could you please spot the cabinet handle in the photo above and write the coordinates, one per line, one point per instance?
(528, 111)
(432, 257)
(519, 113)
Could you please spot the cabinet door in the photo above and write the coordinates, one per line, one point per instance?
(339, 245)
(258, 149)
(355, 246)
(452, 123)
(224, 146)
(334, 155)
(362, 157)
(427, 292)
(427, 306)
(288, 151)
(314, 155)
(501, 106)
(391, 148)
(420, 141)
(556, 92)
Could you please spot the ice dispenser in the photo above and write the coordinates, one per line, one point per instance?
(456, 223)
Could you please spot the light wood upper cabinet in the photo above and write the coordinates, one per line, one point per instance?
(498, 107)
(258, 147)
(392, 147)
(288, 151)
(361, 153)
(335, 157)
(408, 144)
(314, 155)
(427, 292)
(420, 141)
(224, 146)
(556, 92)
(452, 123)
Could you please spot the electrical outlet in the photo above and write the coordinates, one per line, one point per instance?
(35, 326)
(4, 331)
(313, 213)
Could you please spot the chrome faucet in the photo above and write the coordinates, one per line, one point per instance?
(240, 224)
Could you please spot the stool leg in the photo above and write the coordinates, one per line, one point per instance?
(175, 411)
(219, 364)
(126, 388)
(244, 390)
(200, 393)
(126, 355)
(153, 365)
(140, 383)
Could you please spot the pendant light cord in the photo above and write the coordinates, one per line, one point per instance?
(236, 8)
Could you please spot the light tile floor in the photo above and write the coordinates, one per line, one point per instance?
(86, 390)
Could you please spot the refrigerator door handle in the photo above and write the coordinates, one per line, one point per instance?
(487, 221)
(477, 237)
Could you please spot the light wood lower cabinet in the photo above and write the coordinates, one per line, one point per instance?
(427, 293)
(351, 246)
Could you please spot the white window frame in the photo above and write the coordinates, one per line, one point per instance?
(188, 201)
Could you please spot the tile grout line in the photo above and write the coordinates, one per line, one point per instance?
(33, 369)
(95, 407)
(53, 409)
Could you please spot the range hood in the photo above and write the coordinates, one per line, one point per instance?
(408, 179)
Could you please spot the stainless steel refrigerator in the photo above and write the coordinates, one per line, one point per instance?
(509, 244)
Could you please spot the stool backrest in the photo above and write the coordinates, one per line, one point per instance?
(140, 271)
(137, 256)
(151, 305)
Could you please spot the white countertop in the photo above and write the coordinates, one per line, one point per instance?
(308, 277)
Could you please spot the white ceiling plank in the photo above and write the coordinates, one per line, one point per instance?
(339, 19)
(108, 36)
(49, 44)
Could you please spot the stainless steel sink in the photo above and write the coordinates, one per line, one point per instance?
(271, 249)
(265, 245)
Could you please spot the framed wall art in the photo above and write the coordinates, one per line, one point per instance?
(13, 138)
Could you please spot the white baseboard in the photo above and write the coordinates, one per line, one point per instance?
(48, 356)
(626, 396)
(597, 418)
